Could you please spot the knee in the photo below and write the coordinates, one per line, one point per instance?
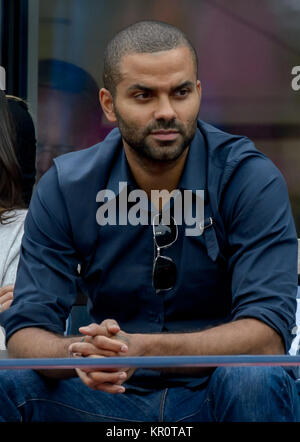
(253, 379)
(16, 387)
(17, 383)
(7, 380)
(261, 392)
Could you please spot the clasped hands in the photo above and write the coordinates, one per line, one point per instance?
(104, 340)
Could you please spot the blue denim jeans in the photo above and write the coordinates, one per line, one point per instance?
(234, 394)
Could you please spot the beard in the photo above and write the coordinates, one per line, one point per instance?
(157, 150)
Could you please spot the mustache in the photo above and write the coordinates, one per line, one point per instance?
(165, 125)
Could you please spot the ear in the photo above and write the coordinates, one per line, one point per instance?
(107, 103)
(198, 85)
(199, 89)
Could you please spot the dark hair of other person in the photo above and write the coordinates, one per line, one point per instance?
(143, 37)
(10, 172)
(25, 144)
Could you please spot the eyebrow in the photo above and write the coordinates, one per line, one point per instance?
(142, 87)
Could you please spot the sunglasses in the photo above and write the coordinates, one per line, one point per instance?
(164, 269)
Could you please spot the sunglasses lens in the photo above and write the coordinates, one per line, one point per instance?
(165, 234)
(164, 274)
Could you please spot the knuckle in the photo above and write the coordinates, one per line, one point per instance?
(87, 339)
(98, 340)
(93, 326)
(90, 382)
(109, 353)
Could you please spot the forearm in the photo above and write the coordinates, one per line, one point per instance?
(34, 342)
(245, 336)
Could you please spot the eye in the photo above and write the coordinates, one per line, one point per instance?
(142, 95)
(182, 92)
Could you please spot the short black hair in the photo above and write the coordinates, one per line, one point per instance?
(141, 37)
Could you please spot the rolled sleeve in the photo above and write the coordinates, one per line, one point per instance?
(47, 279)
(263, 241)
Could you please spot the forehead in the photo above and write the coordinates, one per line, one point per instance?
(164, 67)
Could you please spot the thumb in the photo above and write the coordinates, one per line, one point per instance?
(111, 325)
(106, 328)
(91, 330)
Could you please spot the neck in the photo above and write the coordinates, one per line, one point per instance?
(155, 175)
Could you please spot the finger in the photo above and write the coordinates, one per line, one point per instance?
(113, 389)
(6, 305)
(103, 377)
(104, 381)
(107, 327)
(87, 349)
(104, 369)
(8, 296)
(94, 330)
(7, 288)
(111, 325)
(105, 343)
(100, 345)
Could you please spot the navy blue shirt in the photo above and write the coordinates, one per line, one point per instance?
(244, 265)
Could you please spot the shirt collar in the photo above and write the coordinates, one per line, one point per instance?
(194, 173)
(120, 173)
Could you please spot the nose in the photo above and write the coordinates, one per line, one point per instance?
(164, 109)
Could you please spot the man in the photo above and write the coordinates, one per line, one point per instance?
(229, 290)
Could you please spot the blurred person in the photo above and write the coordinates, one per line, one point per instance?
(230, 290)
(12, 205)
(17, 170)
(69, 114)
